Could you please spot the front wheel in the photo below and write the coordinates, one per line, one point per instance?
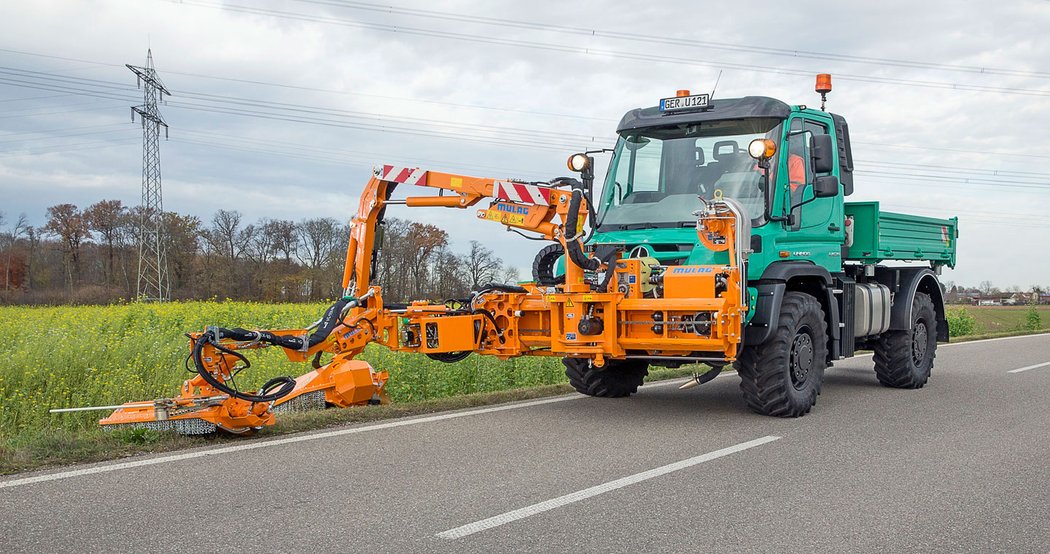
(904, 359)
(616, 379)
(782, 376)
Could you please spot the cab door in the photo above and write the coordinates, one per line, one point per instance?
(815, 231)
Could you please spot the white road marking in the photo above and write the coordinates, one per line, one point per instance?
(521, 513)
(294, 439)
(995, 339)
(1036, 366)
(278, 442)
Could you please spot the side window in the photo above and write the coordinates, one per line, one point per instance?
(797, 168)
(800, 172)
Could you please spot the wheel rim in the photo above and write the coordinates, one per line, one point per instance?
(919, 342)
(801, 359)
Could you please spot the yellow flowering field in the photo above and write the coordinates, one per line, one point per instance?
(69, 356)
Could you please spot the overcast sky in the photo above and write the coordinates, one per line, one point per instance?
(281, 108)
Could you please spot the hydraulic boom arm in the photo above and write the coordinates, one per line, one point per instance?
(606, 308)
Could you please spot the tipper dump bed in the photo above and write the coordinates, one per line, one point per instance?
(879, 235)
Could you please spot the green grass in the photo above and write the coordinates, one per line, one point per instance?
(60, 357)
(1000, 319)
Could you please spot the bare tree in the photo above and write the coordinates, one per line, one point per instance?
(104, 218)
(318, 238)
(480, 266)
(227, 257)
(448, 275)
(7, 241)
(182, 236)
(392, 258)
(33, 237)
(225, 233)
(67, 223)
(282, 238)
(510, 275)
(422, 241)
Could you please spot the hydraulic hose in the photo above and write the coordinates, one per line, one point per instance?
(286, 384)
(572, 247)
(283, 385)
(500, 287)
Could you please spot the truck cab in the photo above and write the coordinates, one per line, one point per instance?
(664, 164)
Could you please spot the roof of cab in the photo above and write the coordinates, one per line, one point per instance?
(721, 108)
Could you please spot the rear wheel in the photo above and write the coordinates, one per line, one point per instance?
(618, 378)
(904, 359)
(782, 376)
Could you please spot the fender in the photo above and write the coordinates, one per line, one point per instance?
(771, 288)
(904, 282)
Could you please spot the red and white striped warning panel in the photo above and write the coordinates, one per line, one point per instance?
(397, 174)
(521, 192)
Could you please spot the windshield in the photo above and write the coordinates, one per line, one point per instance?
(657, 174)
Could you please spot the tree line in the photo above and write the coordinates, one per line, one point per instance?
(91, 256)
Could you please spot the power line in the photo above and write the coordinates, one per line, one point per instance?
(270, 106)
(954, 181)
(327, 90)
(639, 37)
(388, 128)
(64, 129)
(301, 108)
(957, 169)
(62, 148)
(28, 112)
(554, 47)
(67, 135)
(957, 150)
(316, 89)
(69, 84)
(34, 98)
(467, 132)
(62, 88)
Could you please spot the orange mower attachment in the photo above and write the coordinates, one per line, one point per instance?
(211, 401)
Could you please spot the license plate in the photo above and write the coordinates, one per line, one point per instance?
(693, 102)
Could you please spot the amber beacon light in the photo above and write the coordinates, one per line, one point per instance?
(824, 83)
(823, 87)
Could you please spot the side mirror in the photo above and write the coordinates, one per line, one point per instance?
(823, 154)
(826, 186)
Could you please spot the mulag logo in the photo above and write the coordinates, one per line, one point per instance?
(511, 208)
(691, 269)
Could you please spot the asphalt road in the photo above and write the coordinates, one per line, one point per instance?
(962, 465)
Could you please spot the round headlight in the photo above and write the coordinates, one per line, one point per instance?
(578, 162)
(761, 149)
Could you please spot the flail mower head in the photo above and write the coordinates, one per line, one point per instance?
(207, 403)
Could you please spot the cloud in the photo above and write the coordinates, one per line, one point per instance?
(343, 97)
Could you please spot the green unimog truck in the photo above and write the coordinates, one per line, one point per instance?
(825, 277)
